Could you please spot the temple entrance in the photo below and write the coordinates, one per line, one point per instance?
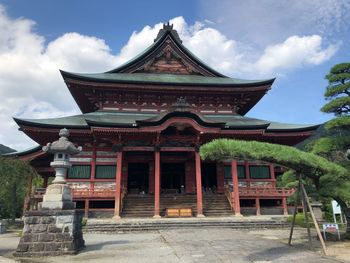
(209, 181)
(173, 177)
(138, 174)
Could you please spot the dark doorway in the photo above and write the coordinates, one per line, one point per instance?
(138, 177)
(209, 181)
(173, 176)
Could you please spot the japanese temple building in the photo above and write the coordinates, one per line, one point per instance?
(141, 127)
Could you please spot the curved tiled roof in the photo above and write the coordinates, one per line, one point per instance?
(175, 79)
(134, 119)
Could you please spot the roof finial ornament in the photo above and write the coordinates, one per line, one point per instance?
(168, 26)
(168, 29)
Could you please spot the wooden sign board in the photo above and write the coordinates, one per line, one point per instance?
(179, 212)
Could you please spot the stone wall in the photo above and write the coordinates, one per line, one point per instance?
(51, 233)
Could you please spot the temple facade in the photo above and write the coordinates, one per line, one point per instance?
(141, 128)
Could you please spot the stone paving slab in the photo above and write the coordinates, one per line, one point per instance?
(183, 245)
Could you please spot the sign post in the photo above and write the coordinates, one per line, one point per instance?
(330, 228)
(336, 211)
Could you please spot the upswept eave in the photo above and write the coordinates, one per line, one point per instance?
(135, 120)
(159, 79)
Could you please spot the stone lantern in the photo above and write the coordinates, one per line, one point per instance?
(56, 229)
(58, 194)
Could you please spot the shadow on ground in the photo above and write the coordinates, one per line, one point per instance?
(100, 246)
(272, 254)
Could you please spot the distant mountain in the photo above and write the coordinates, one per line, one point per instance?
(320, 132)
(5, 149)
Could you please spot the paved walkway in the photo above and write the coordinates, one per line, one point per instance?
(183, 245)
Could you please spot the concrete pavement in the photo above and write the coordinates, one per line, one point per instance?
(185, 245)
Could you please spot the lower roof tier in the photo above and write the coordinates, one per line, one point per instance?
(138, 119)
(210, 126)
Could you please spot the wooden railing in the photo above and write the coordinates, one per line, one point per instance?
(265, 192)
(259, 192)
(230, 198)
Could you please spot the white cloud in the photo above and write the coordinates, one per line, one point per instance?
(294, 52)
(265, 21)
(31, 86)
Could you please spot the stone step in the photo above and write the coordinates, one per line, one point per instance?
(149, 226)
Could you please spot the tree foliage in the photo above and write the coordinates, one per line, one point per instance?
(338, 90)
(308, 164)
(15, 178)
(336, 141)
(328, 178)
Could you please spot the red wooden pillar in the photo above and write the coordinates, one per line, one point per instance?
(156, 184)
(272, 173)
(220, 177)
(285, 207)
(118, 180)
(125, 173)
(257, 206)
(199, 185)
(190, 177)
(234, 174)
(93, 169)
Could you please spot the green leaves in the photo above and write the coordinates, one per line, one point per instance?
(338, 123)
(340, 68)
(14, 178)
(328, 178)
(335, 90)
(338, 90)
(308, 164)
(339, 106)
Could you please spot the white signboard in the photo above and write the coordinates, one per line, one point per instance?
(329, 227)
(336, 211)
(336, 207)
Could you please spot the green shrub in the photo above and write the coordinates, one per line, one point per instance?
(299, 220)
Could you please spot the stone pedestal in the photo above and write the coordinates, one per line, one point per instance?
(51, 233)
(58, 196)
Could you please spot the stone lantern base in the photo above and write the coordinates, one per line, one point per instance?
(51, 233)
(58, 196)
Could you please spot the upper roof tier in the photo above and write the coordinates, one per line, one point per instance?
(167, 65)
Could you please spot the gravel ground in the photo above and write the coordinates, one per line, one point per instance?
(191, 245)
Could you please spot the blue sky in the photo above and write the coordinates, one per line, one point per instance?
(295, 41)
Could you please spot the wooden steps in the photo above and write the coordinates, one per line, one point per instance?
(216, 205)
(138, 206)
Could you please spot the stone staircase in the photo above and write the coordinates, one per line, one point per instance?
(216, 205)
(137, 206)
(140, 206)
(136, 225)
